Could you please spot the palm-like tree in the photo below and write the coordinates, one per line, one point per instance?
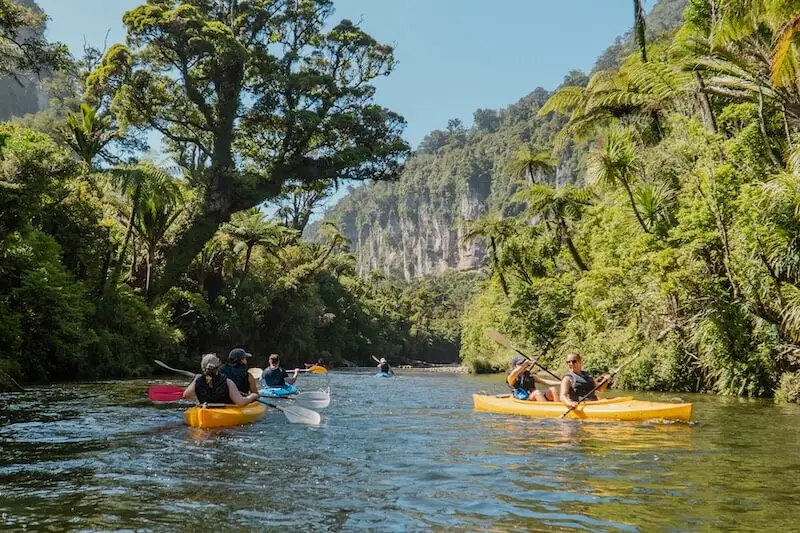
(495, 231)
(559, 205)
(135, 183)
(528, 163)
(250, 228)
(616, 162)
(654, 201)
(157, 213)
(88, 133)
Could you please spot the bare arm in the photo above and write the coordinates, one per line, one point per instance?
(546, 381)
(566, 385)
(189, 391)
(290, 380)
(236, 397)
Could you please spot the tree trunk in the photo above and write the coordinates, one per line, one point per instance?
(705, 103)
(574, 251)
(150, 260)
(633, 205)
(247, 259)
(496, 263)
(128, 233)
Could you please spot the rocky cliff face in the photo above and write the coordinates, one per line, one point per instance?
(417, 226)
(22, 94)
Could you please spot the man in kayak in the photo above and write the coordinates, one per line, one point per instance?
(236, 371)
(578, 384)
(275, 376)
(523, 382)
(212, 387)
(383, 366)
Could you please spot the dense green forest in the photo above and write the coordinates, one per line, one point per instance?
(109, 259)
(649, 207)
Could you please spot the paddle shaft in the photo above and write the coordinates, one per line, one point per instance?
(603, 382)
(502, 339)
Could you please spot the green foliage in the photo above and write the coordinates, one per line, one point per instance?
(789, 388)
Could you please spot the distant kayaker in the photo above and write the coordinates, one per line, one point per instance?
(523, 382)
(578, 383)
(236, 371)
(275, 376)
(212, 387)
(383, 366)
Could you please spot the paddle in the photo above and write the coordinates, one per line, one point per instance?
(258, 372)
(503, 340)
(601, 383)
(164, 393)
(173, 393)
(294, 414)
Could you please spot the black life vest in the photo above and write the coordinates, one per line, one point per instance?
(582, 385)
(525, 381)
(217, 392)
(238, 374)
(385, 368)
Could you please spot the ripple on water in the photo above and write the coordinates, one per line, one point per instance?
(403, 454)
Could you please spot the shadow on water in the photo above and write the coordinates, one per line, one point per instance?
(400, 454)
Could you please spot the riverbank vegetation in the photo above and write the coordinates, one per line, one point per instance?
(109, 259)
(684, 217)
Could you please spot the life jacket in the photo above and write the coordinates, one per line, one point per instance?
(217, 392)
(238, 374)
(582, 385)
(385, 368)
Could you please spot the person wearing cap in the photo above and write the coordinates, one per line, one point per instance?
(275, 376)
(236, 370)
(212, 387)
(523, 382)
(383, 366)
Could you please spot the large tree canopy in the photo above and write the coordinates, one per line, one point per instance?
(252, 96)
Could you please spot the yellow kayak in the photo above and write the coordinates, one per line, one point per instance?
(622, 408)
(225, 416)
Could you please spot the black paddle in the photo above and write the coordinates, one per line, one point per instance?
(502, 339)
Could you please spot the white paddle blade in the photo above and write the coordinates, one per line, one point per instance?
(255, 372)
(300, 415)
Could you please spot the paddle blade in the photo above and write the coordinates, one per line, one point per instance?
(498, 338)
(296, 414)
(255, 372)
(316, 369)
(164, 393)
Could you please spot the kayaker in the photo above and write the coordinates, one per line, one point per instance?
(383, 366)
(578, 383)
(275, 376)
(236, 371)
(523, 382)
(212, 387)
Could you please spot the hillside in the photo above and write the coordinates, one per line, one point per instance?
(416, 226)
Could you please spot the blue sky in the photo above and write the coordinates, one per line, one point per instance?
(454, 55)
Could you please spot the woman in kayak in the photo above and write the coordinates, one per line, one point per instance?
(275, 376)
(578, 384)
(383, 366)
(213, 387)
(236, 371)
(523, 382)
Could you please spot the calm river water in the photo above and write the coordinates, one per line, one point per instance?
(402, 454)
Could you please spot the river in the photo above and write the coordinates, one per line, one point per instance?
(401, 454)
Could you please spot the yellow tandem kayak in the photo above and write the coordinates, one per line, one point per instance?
(623, 408)
(224, 416)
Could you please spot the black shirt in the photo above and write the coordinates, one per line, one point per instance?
(238, 374)
(275, 377)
